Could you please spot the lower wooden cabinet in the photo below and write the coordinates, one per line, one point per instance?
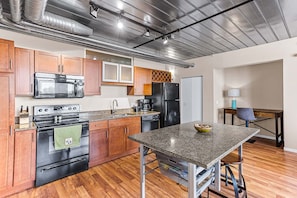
(109, 139)
(24, 166)
(98, 142)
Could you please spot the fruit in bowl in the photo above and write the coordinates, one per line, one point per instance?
(203, 128)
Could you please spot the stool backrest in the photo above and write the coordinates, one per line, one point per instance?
(246, 114)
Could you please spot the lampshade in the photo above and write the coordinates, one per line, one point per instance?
(234, 92)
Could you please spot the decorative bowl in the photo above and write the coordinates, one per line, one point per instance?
(203, 128)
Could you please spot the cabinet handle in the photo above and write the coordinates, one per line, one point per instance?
(106, 133)
(99, 89)
(62, 68)
(10, 64)
(125, 130)
(31, 88)
(10, 130)
(59, 68)
(32, 137)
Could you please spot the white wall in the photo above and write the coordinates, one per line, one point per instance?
(285, 50)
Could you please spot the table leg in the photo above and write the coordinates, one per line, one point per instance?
(232, 119)
(277, 143)
(192, 188)
(282, 129)
(142, 172)
(224, 116)
(240, 168)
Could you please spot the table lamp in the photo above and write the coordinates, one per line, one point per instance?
(234, 92)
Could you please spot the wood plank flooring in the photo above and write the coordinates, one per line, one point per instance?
(269, 172)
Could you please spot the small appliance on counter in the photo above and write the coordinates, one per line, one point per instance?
(24, 117)
(144, 104)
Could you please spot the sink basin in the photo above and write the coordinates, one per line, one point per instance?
(120, 115)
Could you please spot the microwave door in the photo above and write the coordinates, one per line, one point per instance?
(64, 90)
(44, 88)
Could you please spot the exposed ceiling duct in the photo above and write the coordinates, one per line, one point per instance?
(16, 10)
(35, 12)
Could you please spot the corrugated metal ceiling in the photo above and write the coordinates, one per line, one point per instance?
(252, 23)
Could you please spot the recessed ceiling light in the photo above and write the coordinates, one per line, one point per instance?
(120, 24)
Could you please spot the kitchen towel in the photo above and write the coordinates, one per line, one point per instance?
(67, 137)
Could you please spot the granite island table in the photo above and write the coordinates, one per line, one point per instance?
(201, 151)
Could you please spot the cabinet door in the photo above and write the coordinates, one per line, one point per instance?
(142, 82)
(24, 71)
(24, 158)
(47, 62)
(72, 65)
(133, 129)
(6, 131)
(98, 146)
(92, 73)
(6, 55)
(110, 72)
(126, 73)
(117, 136)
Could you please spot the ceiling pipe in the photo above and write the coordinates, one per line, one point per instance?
(35, 12)
(209, 17)
(16, 10)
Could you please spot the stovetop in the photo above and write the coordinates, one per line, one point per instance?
(56, 115)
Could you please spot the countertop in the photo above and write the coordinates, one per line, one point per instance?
(203, 149)
(92, 117)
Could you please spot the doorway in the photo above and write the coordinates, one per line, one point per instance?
(191, 99)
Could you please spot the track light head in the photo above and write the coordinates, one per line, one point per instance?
(165, 40)
(147, 33)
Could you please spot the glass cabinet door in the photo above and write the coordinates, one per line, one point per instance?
(110, 72)
(126, 73)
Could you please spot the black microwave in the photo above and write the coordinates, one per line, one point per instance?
(58, 86)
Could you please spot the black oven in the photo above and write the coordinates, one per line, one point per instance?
(53, 163)
(58, 86)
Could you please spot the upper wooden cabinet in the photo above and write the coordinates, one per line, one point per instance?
(142, 82)
(118, 74)
(24, 72)
(92, 73)
(55, 63)
(6, 55)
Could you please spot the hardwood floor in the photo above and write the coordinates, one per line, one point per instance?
(269, 172)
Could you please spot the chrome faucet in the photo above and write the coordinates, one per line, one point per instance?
(114, 102)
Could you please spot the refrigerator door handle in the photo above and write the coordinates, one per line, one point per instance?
(165, 116)
(177, 100)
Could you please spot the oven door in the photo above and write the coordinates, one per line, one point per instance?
(46, 153)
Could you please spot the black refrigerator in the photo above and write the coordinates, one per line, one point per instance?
(165, 99)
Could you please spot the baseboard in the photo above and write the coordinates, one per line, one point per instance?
(290, 150)
(266, 137)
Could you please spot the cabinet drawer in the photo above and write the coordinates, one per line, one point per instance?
(124, 121)
(98, 125)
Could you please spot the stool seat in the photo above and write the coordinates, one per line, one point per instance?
(231, 158)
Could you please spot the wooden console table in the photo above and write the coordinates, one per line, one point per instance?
(265, 113)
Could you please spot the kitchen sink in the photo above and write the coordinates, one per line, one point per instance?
(121, 115)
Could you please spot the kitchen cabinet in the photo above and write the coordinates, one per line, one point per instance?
(119, 130)
(55, 63)
(92, 73)
(161, 76)
(6, 55)
(6, 131)
(98, 142)
(24, 72)
(116, 74)
(142, 82)
(24, 159)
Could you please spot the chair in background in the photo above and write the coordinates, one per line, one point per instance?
(246, 114)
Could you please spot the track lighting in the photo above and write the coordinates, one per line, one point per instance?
(147, 33)
(165, 40)
(94, 10)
